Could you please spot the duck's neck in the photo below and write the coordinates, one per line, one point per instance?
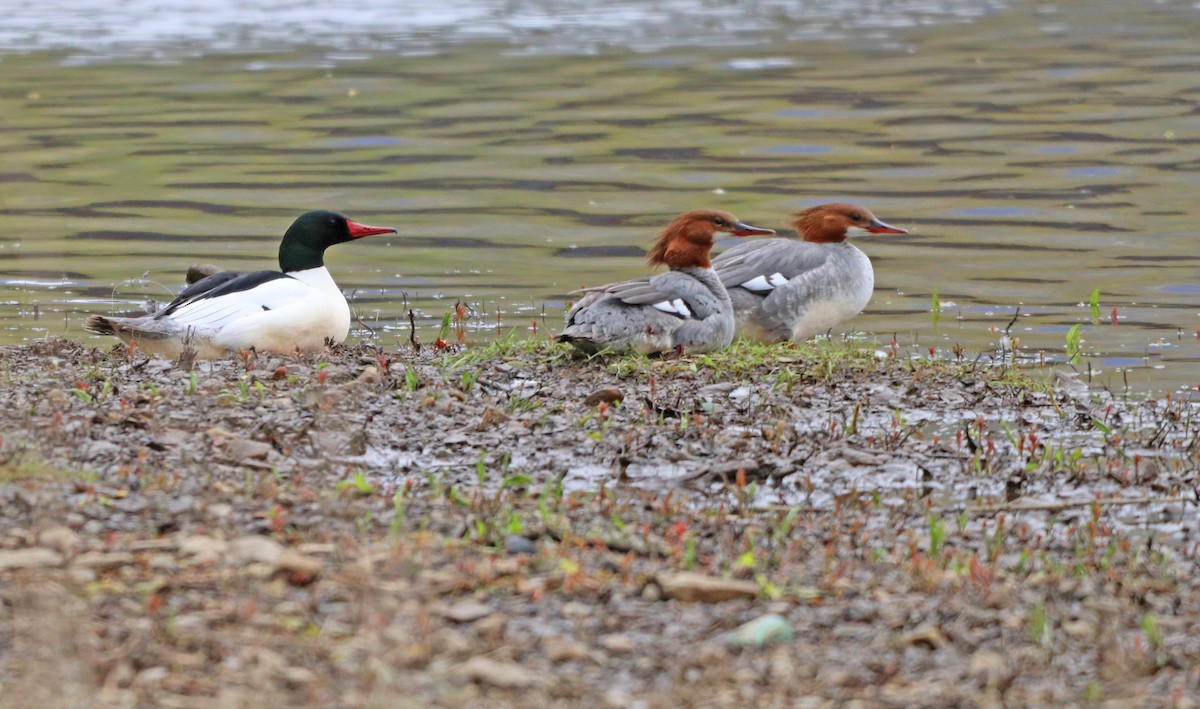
(295, 255)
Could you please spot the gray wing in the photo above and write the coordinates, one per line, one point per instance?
(671, 292)
(649, 314)
(763, 265)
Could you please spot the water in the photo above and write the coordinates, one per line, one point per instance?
(524, 149)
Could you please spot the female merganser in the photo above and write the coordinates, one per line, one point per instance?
(684, 308)
(300, 308)
(784, 289)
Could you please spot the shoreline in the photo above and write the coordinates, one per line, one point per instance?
(516, 525)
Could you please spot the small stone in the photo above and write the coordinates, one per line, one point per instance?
(301, 569)
(606, 395)
(986, 667)
(61, 539)
(32, 558)
(253, 548)
(492, 627)
(369, 375)
(690, 586)
(710, 654)
(159, 544)
(82, 575)
(575, 609)
(858, 457)
(100, 449)
(220, 509)
(505, 675)
(713, 390)
(560, 649)
(769, 629)
(927, 636)
(296, 675)
(1078, 628)
(199, 544)
(245, 449)
(163, 562)
(464, 611)
(101, 561)
(150, 675)
(618, 643)
(517, 544)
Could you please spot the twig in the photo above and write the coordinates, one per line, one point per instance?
(1008, 327)
(412, 331)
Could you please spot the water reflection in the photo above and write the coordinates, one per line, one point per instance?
(358, 29)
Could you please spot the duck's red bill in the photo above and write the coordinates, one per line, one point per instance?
(358, 231)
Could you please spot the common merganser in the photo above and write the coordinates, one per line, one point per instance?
(297, 308)
(685, 308)
(784, 289)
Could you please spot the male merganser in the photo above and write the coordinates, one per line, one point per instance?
(784, 289)
(684, 308)
(300, 308)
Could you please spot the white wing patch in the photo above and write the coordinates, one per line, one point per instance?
(222, 310)
(674, 307)
(765, 283)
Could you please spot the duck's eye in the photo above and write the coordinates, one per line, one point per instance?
(718, 221)
(856, 217)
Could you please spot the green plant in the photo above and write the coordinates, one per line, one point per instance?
(1040, 631)
(935, 309)
(1151, 631)
(358, 483)
(937, 535)
(1074, 343)
(1094, 306)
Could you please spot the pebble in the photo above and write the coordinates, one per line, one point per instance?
(300, 568)
(506, 675)
(246, 449)
(560, 649)
(690, 586)
(467, 611)
(101, 561)
(604, 395)
(61, 539)
(150, 675)
(253, 548)
(927, 636)
(769, 629)
(100, 449)
(492, 627)
(31, 558)
(618, 643)
(517, 544)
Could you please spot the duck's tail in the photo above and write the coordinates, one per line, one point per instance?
(100, 325)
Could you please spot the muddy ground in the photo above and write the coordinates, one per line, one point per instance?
(513, 526)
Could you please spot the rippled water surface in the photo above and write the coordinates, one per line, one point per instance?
(1036, 152)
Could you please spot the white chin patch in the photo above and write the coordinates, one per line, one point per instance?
(856, 231)
(674, 307)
